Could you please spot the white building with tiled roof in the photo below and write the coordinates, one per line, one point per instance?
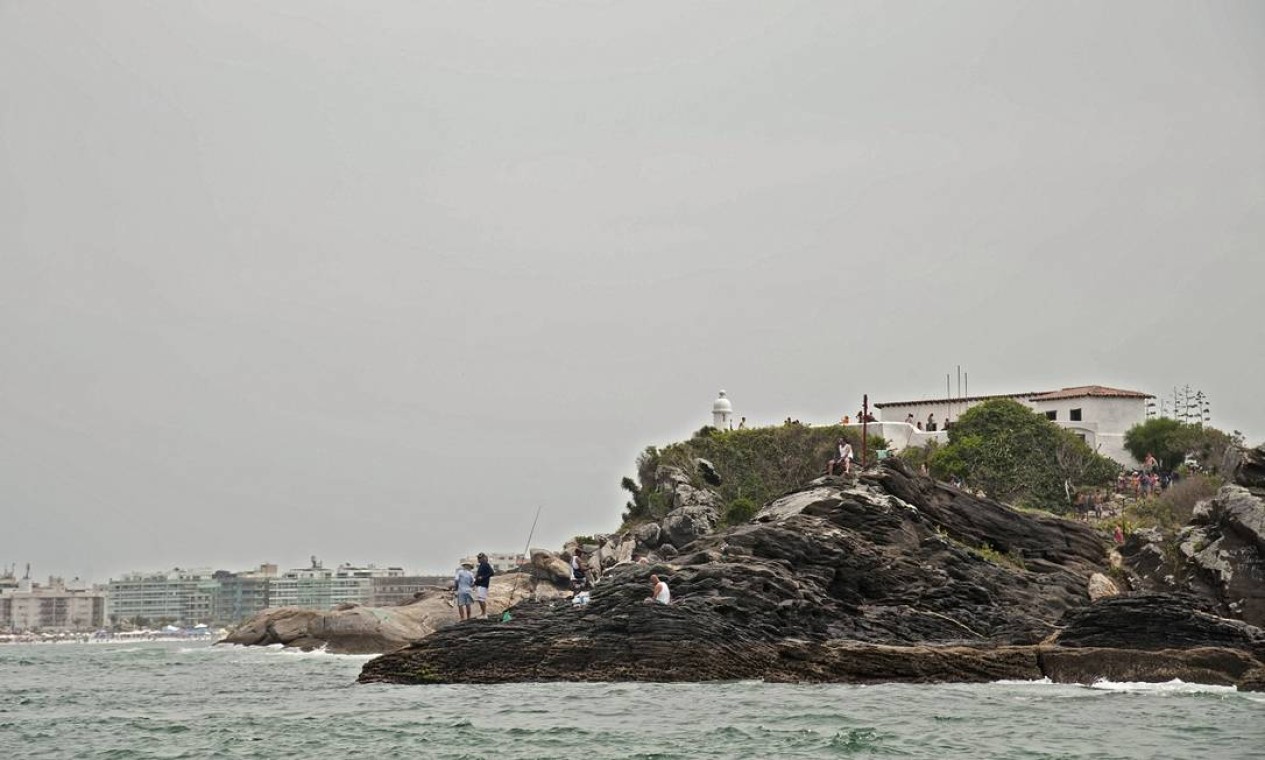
(1099, 415)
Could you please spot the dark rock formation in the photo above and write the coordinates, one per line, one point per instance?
(1223, 667)
(1247, 467)
(1156, 621)
(884, 576)
(708, 470)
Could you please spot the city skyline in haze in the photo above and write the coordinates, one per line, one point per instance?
(302, 279)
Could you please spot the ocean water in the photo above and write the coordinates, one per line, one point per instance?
(174, 700)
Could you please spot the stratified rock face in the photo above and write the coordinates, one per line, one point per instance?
(886, 559)
(1154, 622)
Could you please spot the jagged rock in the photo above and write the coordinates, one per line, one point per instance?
(1143, 553)
(667, 479)
(667, 551)
(625, 551)
(685, 524)
(708, 470)
(1242, 512)
(1101, 587)
(1222, 556)
(549, 566)
(606, 554)
(649, 535)
(1247, 467)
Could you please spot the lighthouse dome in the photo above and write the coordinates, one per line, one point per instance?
(722, 404)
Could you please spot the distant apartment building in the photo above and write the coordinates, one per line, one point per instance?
(56, 606)
(177, 595)
(501, 562)
(226, 598)
(392, 590)
(318, 587)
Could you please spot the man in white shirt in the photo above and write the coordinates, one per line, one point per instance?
(659, 592)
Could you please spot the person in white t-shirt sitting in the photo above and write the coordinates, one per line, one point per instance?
(659, 591)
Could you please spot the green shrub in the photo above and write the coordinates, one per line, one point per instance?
(740, 510)
(756, 464)
(1018, 456)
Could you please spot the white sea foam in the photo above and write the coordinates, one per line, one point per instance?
(1175, 686)
(274, 649)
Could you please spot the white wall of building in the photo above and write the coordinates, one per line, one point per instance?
(1103, 419)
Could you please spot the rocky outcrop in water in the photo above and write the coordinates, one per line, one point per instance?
(882, 577)
(358, 629)
(878, 577)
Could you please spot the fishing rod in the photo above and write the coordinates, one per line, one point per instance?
(526, 550)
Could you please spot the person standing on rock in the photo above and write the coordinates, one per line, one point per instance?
(579, 577)
(483, 579)
(659, 591)
(464, 582)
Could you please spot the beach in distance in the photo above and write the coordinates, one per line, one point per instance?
(180, 700)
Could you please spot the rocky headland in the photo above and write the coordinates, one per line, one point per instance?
(884, 576)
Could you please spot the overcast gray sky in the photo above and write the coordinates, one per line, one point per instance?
(373, 281)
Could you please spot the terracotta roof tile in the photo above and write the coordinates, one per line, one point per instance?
(1082, 391)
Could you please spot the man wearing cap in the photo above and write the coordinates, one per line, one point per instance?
(482, 579)
(464, 583)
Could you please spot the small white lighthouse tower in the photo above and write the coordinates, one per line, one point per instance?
(722, 412)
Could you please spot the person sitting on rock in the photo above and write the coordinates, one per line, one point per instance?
(844, 458)
(659, 591)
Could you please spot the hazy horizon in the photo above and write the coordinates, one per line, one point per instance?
(375, 282)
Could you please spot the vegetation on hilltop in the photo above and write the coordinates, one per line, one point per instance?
(1018, 456)
(755, 465)
(1171, 441)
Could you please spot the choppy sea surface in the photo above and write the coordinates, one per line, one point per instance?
(177, 700)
